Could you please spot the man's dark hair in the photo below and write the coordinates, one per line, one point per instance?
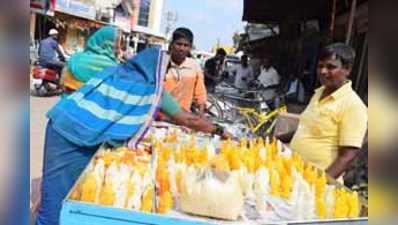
(244, 57)
(184, 33)
(221, 51)
(342, 51)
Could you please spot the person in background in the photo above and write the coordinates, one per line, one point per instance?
(122, 55)
(80, 45)
(128, 53)
(199, 60)
(117, 107)
(243, 73)
(99, 53)
(213, 69)
(50, 54)
(332, 128)
(268, 78)
(184, 79)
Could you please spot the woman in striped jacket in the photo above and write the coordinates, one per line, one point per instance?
(117, 107)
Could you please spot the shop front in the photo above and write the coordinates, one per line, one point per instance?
(41, 13)
(143, 37)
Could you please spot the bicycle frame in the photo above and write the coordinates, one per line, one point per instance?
(255, 117)
(262, 117)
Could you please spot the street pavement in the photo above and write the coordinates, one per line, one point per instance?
(38, 109)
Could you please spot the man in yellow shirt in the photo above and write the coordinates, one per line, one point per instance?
(332, 127)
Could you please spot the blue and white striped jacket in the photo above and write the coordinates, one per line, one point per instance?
(116, 105)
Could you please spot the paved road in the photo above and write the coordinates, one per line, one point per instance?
(38, 109)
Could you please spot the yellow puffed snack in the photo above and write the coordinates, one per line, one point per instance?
(77, 192)
(286, 186)
(220, 163)
(89, 188)
(321, 208)
(107, 196)
(147, 199)
(341, 205)
(320, 185)
(354, 205)
(165, 202)
(275, 183)
(235, 162)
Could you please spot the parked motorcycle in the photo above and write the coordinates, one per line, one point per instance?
(45, 81)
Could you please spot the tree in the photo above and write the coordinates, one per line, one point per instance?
(236, 38)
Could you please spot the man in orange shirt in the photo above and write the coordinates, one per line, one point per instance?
(184, 78)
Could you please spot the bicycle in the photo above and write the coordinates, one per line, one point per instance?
(222, 106)
(226, 98)
(261, 123)
(257, 114)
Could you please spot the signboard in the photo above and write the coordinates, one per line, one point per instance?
(147, 30)
(45, 7)
(76, 8)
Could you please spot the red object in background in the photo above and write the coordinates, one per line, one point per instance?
(43, 6)
(45, 74)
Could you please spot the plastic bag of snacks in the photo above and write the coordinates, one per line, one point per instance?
(213, 194)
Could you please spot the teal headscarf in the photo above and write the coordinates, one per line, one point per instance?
(97, 55)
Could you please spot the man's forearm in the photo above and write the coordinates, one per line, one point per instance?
(286, 137)
(209, 76)
(193, 121)
(343, 162)
(60, 52)
(200, 124)
(337, 168)
(293, 120)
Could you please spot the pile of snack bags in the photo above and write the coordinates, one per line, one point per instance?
(178, 171)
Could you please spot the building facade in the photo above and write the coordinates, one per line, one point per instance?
(146, 25)
(76, 20)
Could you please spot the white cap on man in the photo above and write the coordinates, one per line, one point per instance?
(53, 32)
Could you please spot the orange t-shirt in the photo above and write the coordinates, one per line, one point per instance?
(185, 83)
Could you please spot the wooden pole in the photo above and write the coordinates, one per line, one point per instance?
(333, 19)
(362, 62)
(351, 21)
(32, 25)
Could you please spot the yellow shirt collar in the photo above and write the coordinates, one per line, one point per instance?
(343, 90)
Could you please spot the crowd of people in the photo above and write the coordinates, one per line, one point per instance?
(114, 102)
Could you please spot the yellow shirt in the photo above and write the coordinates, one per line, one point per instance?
(185, 83)
(337, 120)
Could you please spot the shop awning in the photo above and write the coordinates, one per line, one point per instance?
(65, 20)
(267, 11)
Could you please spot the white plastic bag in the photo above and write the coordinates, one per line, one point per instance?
(213, 194)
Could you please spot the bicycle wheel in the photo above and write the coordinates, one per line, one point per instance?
(214, 109)
(267, 129)
(249, 121)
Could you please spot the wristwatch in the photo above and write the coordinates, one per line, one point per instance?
(219, 130)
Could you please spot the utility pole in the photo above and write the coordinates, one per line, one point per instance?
(333, 19)
(351, 21)
(171, 19)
